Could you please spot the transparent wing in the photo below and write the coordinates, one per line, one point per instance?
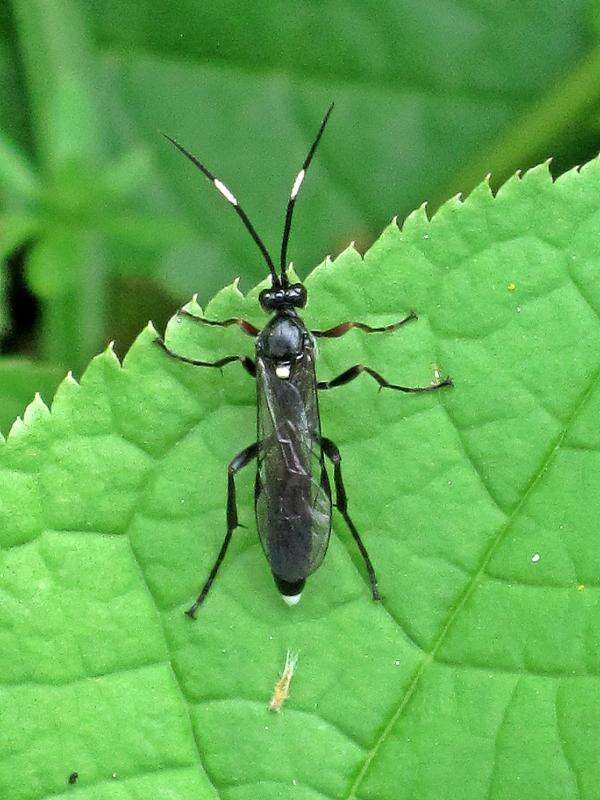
(293, 498)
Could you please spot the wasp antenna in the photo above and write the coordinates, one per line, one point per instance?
(294, 194)
(233, 201)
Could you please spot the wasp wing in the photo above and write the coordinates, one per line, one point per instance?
(292, 496)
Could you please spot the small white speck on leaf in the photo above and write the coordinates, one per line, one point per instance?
(535, 558)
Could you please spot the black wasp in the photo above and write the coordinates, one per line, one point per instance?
(292, 494)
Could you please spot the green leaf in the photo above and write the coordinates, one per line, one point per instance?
(20, 379)
(475, 678)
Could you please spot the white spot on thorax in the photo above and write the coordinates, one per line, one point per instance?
(283, 371)
(225, 192)
(297, 184)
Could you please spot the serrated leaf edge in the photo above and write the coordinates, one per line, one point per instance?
(417, 219)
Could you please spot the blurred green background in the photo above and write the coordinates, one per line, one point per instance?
(103, 225)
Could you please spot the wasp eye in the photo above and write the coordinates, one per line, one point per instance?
(271, 299)
(295, 295)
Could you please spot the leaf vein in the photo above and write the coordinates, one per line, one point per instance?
(469, 589)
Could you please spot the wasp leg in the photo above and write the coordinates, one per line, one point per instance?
(247, 363)
(355, 371)
(332, 452)
(235, 465)
(246, 326)
(344, 327)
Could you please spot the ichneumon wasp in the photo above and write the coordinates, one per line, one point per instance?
(292, 494)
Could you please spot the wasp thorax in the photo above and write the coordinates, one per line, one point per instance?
(274, 299)
(282, 340)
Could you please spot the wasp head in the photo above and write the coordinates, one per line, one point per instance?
(278, 297)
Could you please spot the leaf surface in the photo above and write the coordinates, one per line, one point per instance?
(475, 678)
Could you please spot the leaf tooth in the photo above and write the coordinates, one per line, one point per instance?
(226, 293)
(349, 252)
(110, 350)
(451, 204)
(36, 410)
(539, 172)
(193, 306)
(17, 428)
(391, 233)
(485, 186)
(323, 265)
(509, 185)
(482, 191)
(292, 274)
(68, 387)
(417, 221)
(234, 288)
(143, 343)
(570, 175)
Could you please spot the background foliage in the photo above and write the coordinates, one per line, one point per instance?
(102, 225)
